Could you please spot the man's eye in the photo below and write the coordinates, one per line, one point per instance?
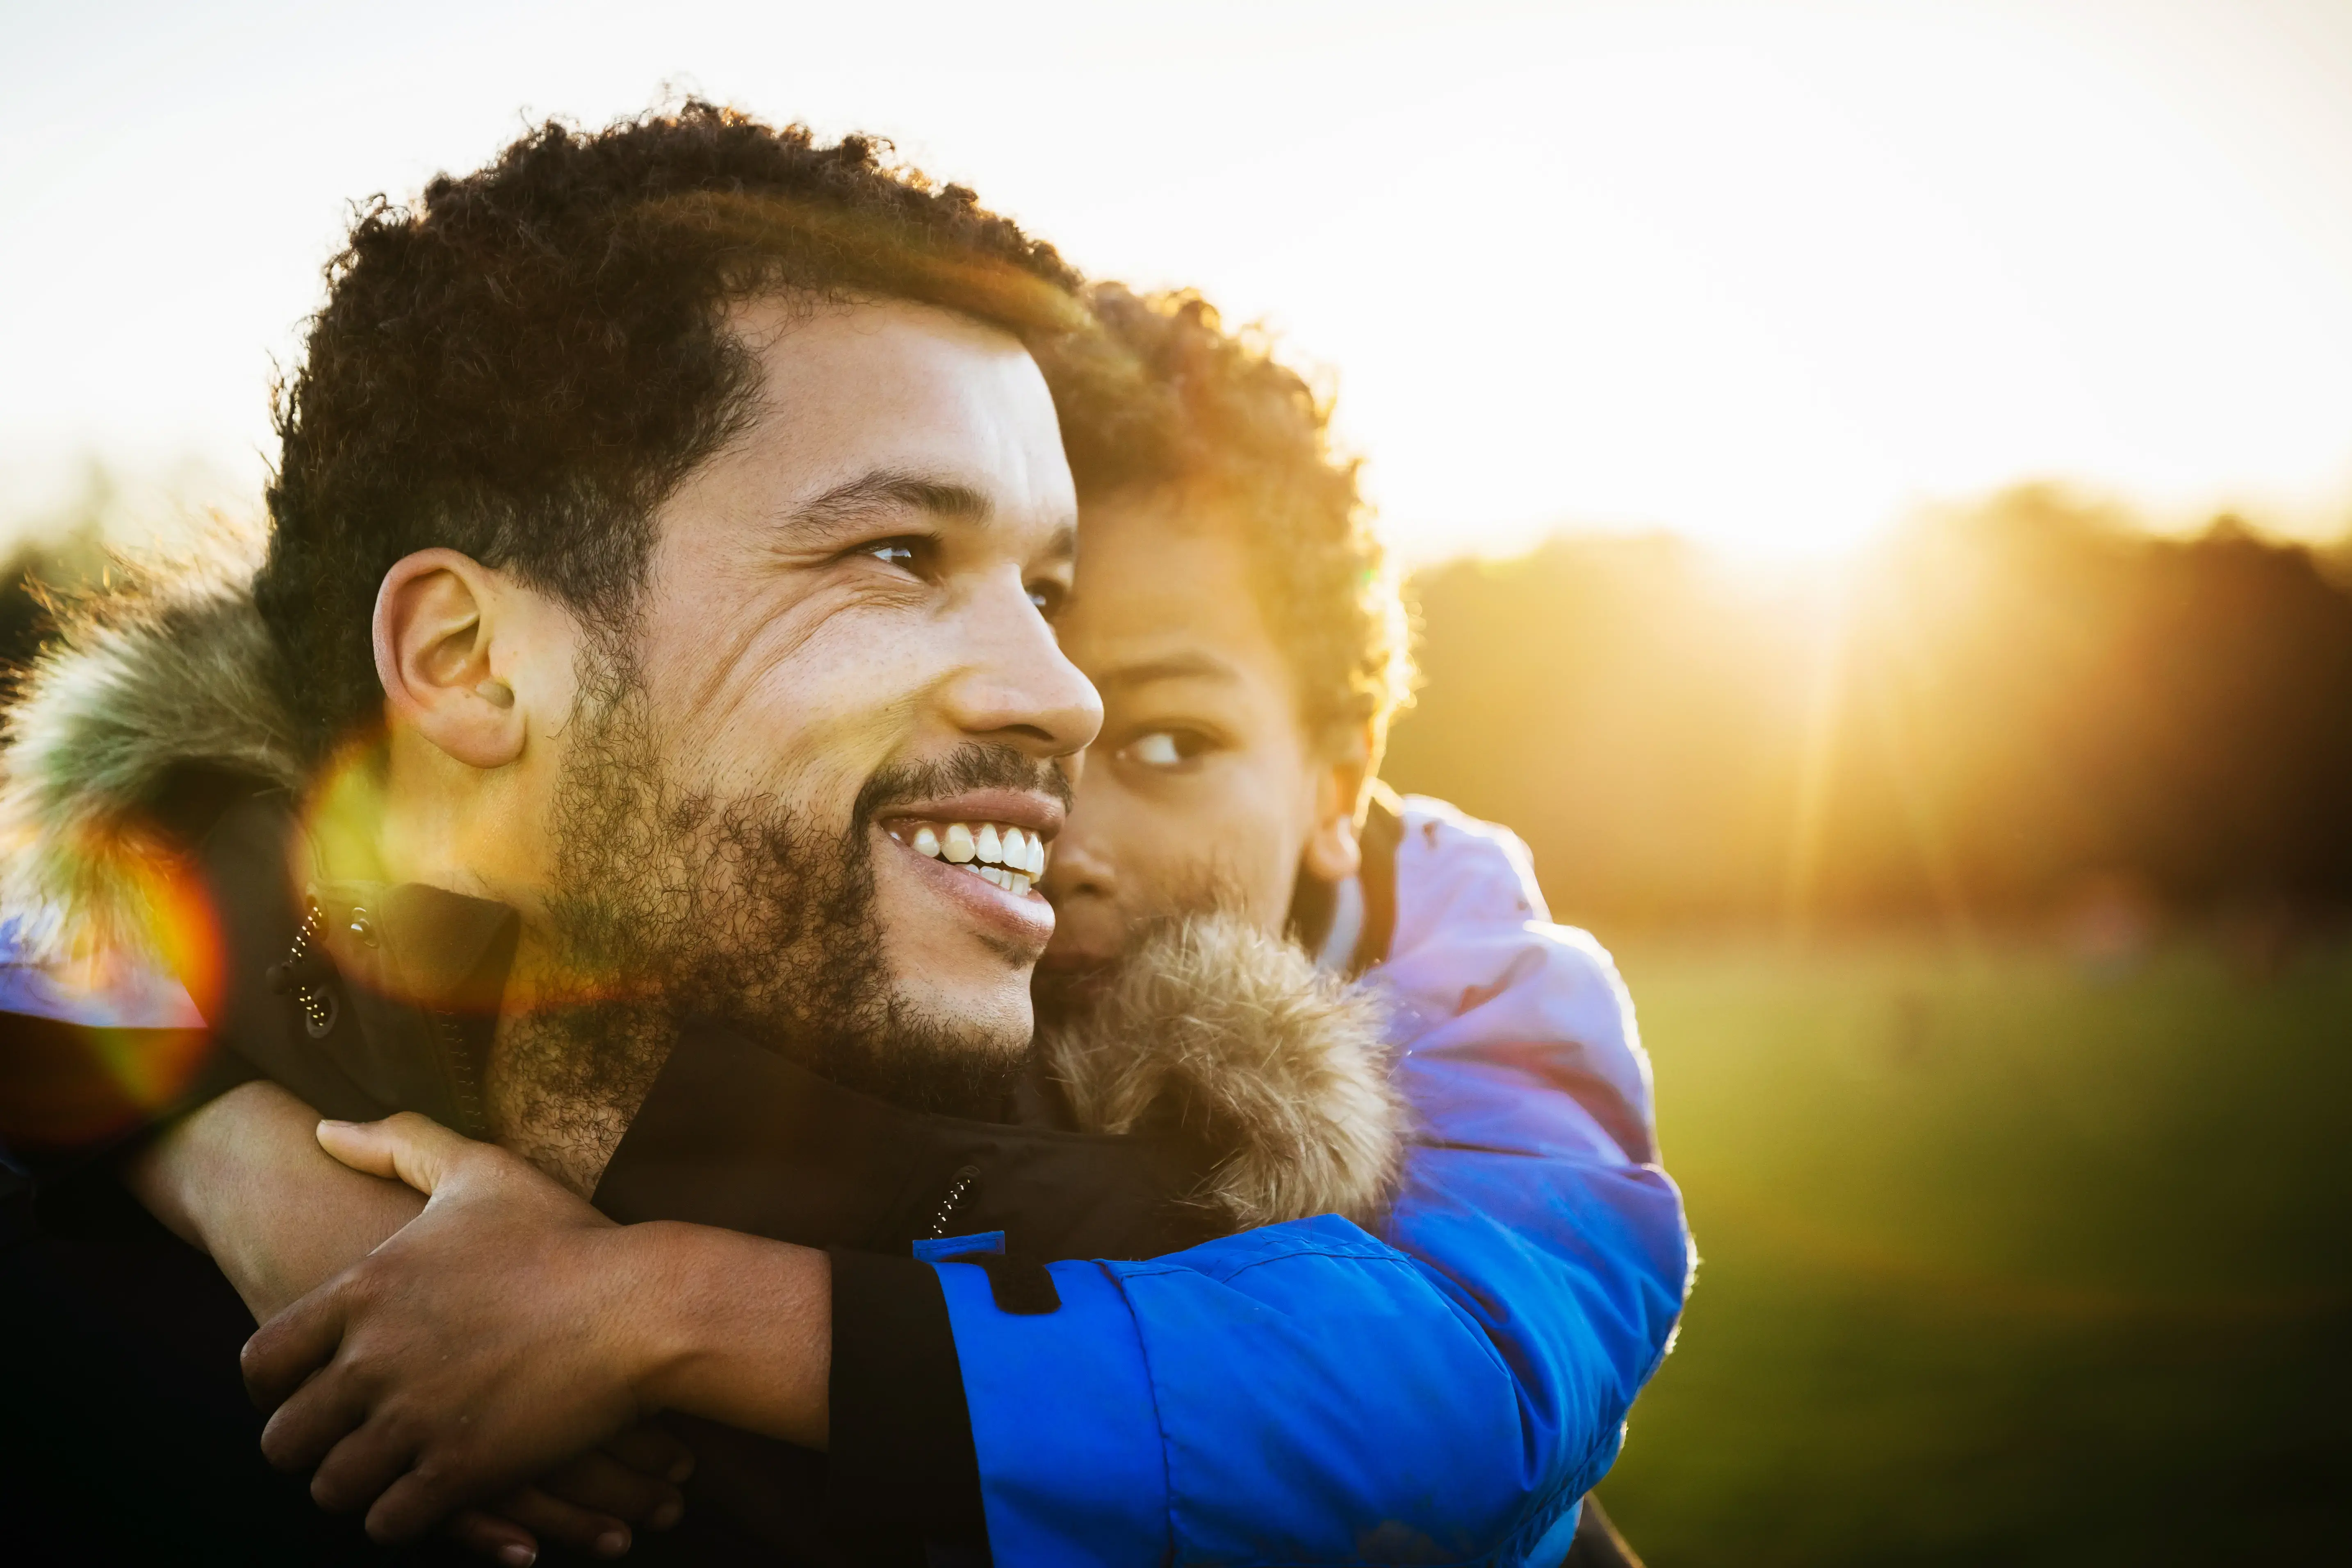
(893, 553)
(1166, 748)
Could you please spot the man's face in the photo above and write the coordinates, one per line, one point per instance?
(842, 657)
(1204, 786)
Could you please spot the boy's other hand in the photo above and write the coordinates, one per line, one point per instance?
(589, 1504)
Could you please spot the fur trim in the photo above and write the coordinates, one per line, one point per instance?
(1233, 1035)
(143, 678)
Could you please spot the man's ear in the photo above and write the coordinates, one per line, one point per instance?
(1333, 852)
(435, 617)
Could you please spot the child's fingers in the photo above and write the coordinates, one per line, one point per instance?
(601, 1484)
(553, 1520)
(501, 1541)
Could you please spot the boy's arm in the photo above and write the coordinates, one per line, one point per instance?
(243, 1178)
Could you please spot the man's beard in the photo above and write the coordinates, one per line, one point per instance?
(671, 907)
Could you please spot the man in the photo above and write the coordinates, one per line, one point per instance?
(1313, 1255)
(684, 506)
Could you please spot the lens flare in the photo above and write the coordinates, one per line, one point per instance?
(118, 1032)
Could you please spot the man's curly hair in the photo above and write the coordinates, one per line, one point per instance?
(524, 365)
(1209, 416)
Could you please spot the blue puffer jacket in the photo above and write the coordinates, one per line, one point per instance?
(1445, 1392)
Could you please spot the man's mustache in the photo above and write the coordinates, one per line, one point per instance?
(972, 765)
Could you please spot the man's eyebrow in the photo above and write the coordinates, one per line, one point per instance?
(885, 490)
(1175, 667)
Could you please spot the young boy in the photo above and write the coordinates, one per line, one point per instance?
(1232, 608)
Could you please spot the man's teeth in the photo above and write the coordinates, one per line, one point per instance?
(1000, 854)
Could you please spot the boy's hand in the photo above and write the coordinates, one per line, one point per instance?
(589, 1504)
(493, 1339)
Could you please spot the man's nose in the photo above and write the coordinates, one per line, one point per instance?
(1016, 688)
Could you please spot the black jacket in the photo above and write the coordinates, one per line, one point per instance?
(363, 1001)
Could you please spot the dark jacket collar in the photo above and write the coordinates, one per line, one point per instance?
(738, 1136)
(365, 999)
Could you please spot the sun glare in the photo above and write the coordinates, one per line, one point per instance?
(1768, 274)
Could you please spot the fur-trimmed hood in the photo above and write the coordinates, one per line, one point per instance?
(162, 672)
(1211, 1026)
(1215, 1027)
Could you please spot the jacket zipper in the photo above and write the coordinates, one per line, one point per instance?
(958, 1189)
(304, 974)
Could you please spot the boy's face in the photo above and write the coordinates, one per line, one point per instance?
(1204, 786)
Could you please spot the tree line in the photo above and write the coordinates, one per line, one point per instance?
(1994, 715)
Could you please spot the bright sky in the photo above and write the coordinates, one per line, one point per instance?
(1764, 272)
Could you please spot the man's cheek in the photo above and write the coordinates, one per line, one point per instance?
(814, 718)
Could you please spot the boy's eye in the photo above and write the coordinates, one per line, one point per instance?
(1048, 597)
(1166, 748)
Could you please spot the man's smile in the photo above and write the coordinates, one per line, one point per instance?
(1008, 859)
(984, 849)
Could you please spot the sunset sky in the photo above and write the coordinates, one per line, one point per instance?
(1767, 273)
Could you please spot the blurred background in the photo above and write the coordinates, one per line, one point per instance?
(1879, 484)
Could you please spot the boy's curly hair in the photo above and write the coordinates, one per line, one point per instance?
(524, 365)
(1209, 414)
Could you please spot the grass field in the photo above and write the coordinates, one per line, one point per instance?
(2005, 1261)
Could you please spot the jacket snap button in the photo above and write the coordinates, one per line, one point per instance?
(318, 1010)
